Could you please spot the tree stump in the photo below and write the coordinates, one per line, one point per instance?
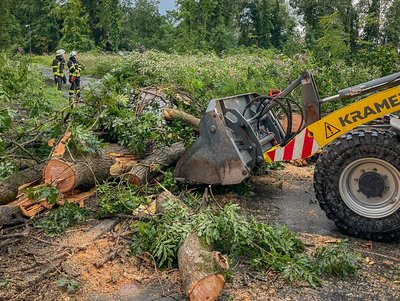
(201, 269)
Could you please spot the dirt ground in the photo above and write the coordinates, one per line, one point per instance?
(94, 257)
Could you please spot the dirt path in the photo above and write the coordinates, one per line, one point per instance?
(48, 72)
(32, 266)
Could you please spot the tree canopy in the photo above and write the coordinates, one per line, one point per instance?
(330, 28)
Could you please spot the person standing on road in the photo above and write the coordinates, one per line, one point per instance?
(74, 76)
(58, 68)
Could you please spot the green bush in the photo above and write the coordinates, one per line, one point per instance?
(58, 220)
(262, 245)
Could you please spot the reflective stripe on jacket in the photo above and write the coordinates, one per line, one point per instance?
(58, 67)
(74, 68)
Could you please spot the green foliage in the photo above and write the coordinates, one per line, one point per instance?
(168, 180)
(38, 193)
(28, 110)
(263, 245)
(9, 29)
(110, 21)
(84, 141)
(5, 282)
(69, 284)
(58, 220)
(137, 133)
(265, 168)
(6, 169)
(337, 260)
(333, 42)
(75, 28)
(265, 24)
(119, 199)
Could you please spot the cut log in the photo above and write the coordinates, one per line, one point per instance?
(9, 186)
(171, 114)
(201, 270)
(147, 169)
(83, 172)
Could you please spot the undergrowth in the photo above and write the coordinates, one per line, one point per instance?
(119, 199)
(61, 218)
(263, 246)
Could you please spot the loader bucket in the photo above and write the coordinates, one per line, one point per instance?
(214, 158)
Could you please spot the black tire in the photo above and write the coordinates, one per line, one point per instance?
(360, 144)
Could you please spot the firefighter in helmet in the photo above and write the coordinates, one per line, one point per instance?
(58, 68)
(74, 75)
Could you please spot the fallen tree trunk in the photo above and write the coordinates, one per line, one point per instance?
(171, 114)
(147, 169)
(201, 270)
(9, 186)
(82, 173)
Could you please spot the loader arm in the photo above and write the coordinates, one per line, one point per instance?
(322, 132)
(239, 133)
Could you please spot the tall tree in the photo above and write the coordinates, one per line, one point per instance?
(206, 24)
(265, 23)
(92, 8)
(391, 31)
(333, 44)
(111, 23)
(371, 32)
(10, 35)
(146, 25)
(311, 11)
(37, 17)
(76, 33)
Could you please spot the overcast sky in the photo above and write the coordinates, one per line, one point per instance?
(166, 5)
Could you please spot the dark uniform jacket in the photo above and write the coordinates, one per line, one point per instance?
(58, 67)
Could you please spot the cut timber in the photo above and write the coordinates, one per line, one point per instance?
(171, 114)
(59, 149)
(30, 208)
(201, 269)
(83, 172)
(123, 164)
(147, 169)
(9, 186)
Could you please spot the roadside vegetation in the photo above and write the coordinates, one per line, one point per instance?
(201, 51)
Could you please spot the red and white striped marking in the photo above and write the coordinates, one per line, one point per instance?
(301, 147)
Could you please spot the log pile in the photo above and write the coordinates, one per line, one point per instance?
(76, 176)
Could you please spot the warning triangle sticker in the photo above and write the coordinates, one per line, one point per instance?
(330, 130)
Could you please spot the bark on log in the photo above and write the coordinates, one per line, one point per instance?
(9, 186)
(201, 269)
(83, 172)
(171, 114)
(147, 169)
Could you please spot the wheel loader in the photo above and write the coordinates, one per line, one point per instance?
(356, 178)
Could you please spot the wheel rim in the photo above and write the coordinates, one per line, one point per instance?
(375, 201)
